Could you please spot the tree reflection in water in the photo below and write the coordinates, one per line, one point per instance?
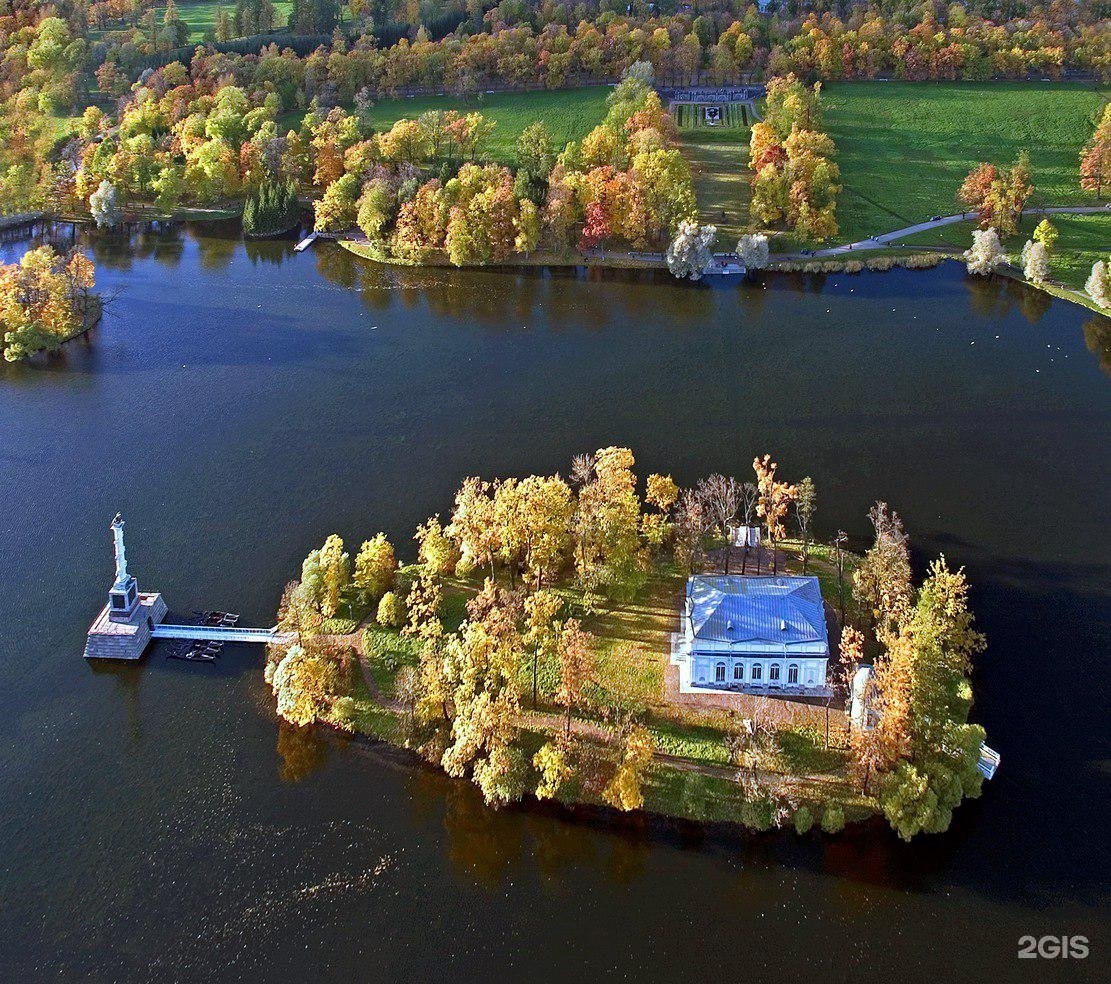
(482, 844)
(301, 751)
(1097, 337)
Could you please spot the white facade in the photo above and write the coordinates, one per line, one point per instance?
(764, 635)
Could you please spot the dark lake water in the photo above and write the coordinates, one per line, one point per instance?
(240, 402)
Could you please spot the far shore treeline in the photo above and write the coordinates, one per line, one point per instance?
(526, 649)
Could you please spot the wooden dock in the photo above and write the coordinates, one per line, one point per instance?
(305, 243)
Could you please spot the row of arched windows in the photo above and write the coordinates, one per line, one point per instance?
(774, 672)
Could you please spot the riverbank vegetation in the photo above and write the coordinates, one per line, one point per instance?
(272, 209)
(45, 299)
(527, 649)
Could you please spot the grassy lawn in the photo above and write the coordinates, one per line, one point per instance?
(719, 161)
(905, 148)
(1082, 240)
(201, 16)
(570, 114)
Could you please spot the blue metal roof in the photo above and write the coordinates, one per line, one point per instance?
(755, 612)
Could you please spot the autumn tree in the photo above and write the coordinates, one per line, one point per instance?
(481, 671)
(882, 580)
(298, 612)
(542, 631)
(553, 761)
(104, 205)
(690, 254)
(391, 611)
(473, 527)
(335, 574)
(575, 649)
(436, 551)
(375, 568)
(1046, 233)
(44, 300)
(774, 497)
(308, 680)
(806, 504)
(624, 789)
(424, 604)
(986, 253)
(1035, 261)
(662, 493)
(1095, 158)
(606, 523)
(931, 659)
(998, 196)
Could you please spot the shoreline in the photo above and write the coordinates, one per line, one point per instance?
(592, 814)
(879, 261)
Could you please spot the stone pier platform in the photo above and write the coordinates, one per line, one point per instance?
(111, 639)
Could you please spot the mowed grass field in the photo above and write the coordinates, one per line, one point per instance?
(570, 114)
(905, 148)
(201, 17)
(719, 165)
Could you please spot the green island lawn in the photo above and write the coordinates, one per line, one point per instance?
(692, 776)
(569, 114)
(905, 148)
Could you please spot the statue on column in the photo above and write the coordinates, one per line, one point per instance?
(121, 555)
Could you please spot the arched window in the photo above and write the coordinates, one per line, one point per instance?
(738, 671)
(793, 673)
(757, 671)
(719, 673)
(773, 673)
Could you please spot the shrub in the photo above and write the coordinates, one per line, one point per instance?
(758, 814)
(391, 611)
(804, 820)
(343, 710)
(833, 819)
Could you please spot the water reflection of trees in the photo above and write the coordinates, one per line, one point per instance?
(506, 299)
(991, 297)
(483, 844)
(301, 751)
(1097, 336)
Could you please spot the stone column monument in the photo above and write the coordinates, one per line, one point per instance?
(123, 628)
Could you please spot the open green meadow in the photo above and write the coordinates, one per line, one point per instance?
(570, 114)
(719, 162)
(905, 148)
(201, 16)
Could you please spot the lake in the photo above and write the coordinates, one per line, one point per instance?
(240, 402)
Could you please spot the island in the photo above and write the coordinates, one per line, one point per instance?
(694, 653)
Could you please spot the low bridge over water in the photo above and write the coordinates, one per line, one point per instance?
(219, 633)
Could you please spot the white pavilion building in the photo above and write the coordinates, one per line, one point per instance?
(752, 634)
